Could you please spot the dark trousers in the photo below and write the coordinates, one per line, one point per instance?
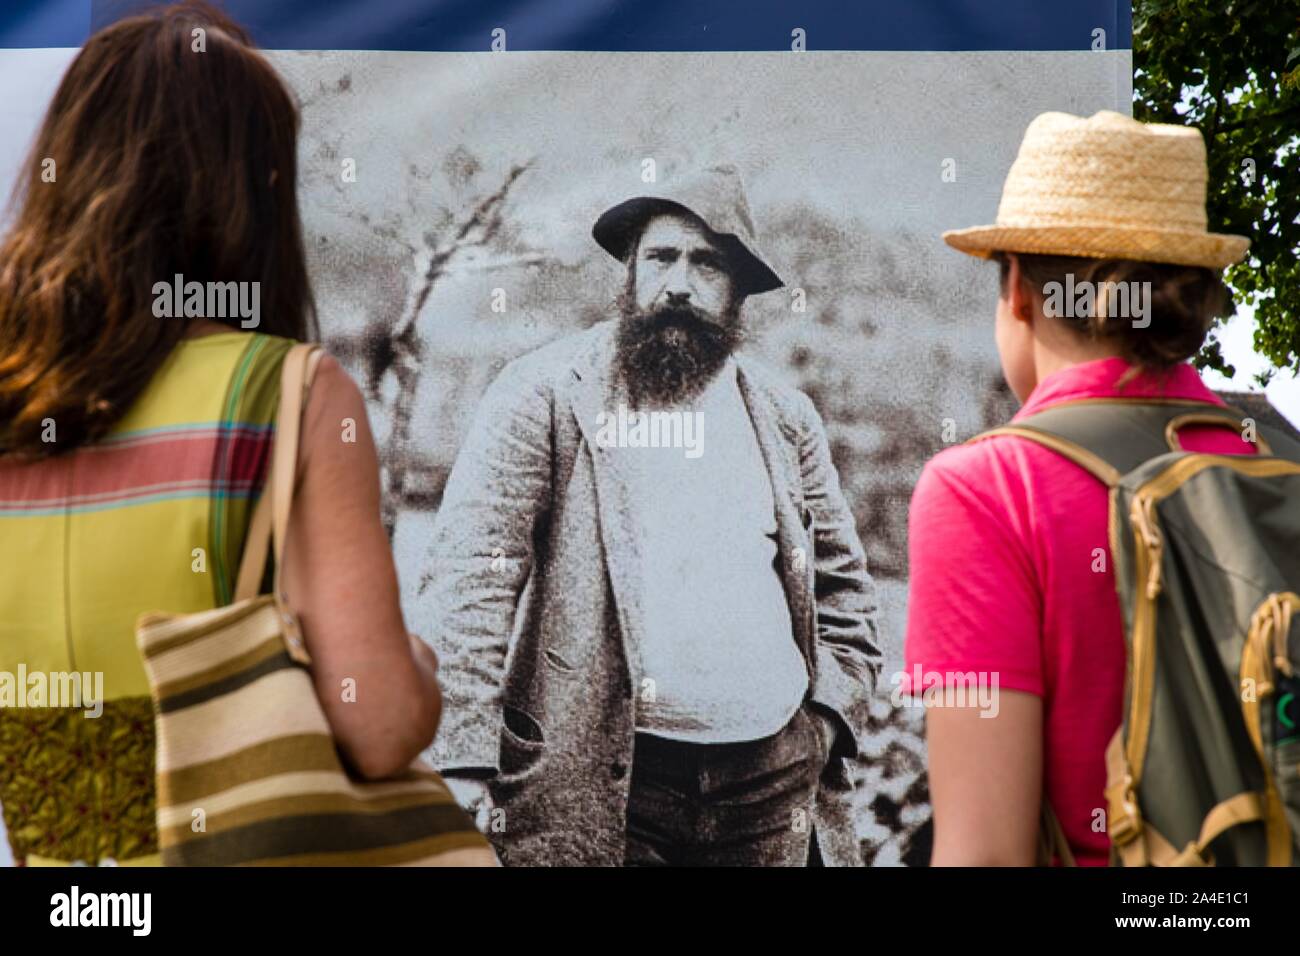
(737, 804)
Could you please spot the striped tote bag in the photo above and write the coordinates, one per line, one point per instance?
(247, 770)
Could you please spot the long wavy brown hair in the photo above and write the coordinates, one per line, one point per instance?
(165, 151)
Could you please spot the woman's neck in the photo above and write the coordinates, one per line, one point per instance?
(1051, 354)
(203, 327)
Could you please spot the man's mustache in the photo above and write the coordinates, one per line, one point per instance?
(666, 316)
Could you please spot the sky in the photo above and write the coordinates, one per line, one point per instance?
(1235, 338)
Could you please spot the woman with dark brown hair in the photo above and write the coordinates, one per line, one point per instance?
(151, 283)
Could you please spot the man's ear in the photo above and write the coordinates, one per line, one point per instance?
(1022, 301)
(735, 301)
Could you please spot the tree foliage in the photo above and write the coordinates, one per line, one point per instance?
(1232, 69)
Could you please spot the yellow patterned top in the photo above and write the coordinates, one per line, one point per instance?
(151, 517)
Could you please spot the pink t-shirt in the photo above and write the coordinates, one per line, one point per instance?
(1003, 541)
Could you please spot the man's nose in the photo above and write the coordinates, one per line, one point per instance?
(677, 283)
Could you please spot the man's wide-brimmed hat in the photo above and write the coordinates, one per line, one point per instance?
(1105, 187)
(714, 196)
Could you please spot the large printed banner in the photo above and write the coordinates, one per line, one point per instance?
(455, 157)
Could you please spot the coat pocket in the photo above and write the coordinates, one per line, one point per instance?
(522, 726)
(522, 741)
(517, 789)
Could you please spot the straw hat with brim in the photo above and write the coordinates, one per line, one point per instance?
(1105, 187)
(713, 197)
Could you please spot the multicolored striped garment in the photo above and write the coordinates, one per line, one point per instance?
(152, 517)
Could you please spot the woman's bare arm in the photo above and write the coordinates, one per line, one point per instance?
(376, 683)
(986, 782)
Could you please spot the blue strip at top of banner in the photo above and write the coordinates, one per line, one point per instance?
(44, 23)
(618, 25)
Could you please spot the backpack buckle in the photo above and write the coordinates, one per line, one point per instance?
(1124, 823)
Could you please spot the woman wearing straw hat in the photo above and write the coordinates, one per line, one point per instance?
(1010, 562)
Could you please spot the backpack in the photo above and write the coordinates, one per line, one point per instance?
(1205, 769)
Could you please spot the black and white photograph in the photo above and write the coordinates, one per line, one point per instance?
(489, 306)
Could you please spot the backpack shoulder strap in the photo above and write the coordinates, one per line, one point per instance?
(1052, 843)
(1099, 467)
(1110, 437)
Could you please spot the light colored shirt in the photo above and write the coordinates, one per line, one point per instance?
(718, 660)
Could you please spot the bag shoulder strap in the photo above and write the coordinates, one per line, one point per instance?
(1110, 437)
(270, 521)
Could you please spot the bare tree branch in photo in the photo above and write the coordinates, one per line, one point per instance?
(401, 348)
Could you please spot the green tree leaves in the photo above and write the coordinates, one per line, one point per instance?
(1233, 71)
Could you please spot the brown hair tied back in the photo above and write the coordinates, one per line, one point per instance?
(1184, 302)
(167, 159)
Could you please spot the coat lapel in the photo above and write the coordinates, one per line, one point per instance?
(793, 517)
(595, 388)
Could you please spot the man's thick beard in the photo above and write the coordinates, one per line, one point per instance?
(668, 355)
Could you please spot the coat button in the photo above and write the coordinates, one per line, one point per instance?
(618, 770)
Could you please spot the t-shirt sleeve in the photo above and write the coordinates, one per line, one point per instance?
(974, 602)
